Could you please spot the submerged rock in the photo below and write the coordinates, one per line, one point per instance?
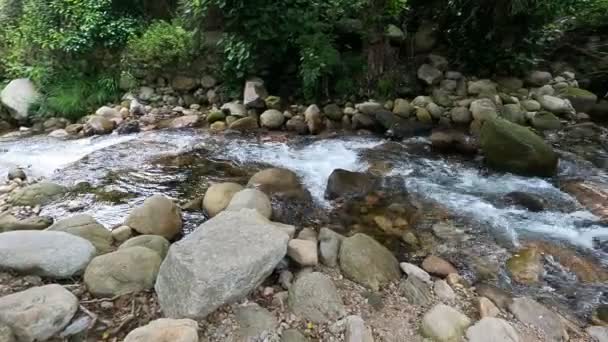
(314, 297)
(526, 266)
(348, 184)
(37, 194)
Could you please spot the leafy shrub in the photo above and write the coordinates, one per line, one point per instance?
(161, 44)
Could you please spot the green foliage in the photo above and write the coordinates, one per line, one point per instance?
(161, 44)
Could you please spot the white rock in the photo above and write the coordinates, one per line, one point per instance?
(165, 330)
(304, 252)
(251, 199)
(414, 271)
(444, 291)
(444, 324)
(18, 96)
(494, 329)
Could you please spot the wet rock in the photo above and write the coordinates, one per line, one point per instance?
(314, 297)
(487, 308)
(297, 124)
(245, 124)
(416, 291)
(546, 121)
(38, 313)
(329, 246)
(18, 96)
(251, 199)
(348, 184)
(86, 227)
(122, 233)
(443, 291)
(362, 121)
(255, 93)
(582, 100)
(423, 115)
(483, 110)
(44, 253)
(128, 127)
(278, 181)
(499, 297)
(444, 324)
(514, 113)
(157, 216)
(531, 202)
(513, 148)
(153, 242)
(125, 271)
(526, 267)
(16, 173)
(429, 74)
(356, 330)
(272, 119)
(254, 321)
(36, 194)
(222, 261)
(499, 330)
(453, 141)
(600, 315)
(592, 195)
(367, 262)
(97, 125)
(510, 84)
(215, 116)
(109, 113)
(218, 196)
(531, 312)
(539, 78)
(555, 105)
(438, 266)
(165, 330)
(10, 223)
(414, 271)
(234, 109)
(600, 110)
(303, 252)
(600, 334)
(58, 133)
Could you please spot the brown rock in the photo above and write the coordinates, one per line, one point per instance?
(526, 267)
(438, 266)
(592, 195)
(486, 308)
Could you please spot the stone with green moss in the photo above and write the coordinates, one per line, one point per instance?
(215, 116)
(582, 100)
(273, 102)
(545, 121)
(526, 266)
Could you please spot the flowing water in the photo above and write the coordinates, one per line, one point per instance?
(121, 171)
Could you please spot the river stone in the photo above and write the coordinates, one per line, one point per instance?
(526, 266)
(11, 223)
(255, 93)
(582, 100)
(157, 216)
(36, 194)
(416, 291)
(218, 196)
(165, 330)
(347, 184)
(215, 116)
(234, 109)
(44, 253)
(272, 119)
(539, 78)
(403, 108)
(297, 124)
(414, 271)
(498, 296)
(461, 115)
(313, 119)
(443, 291)
(293, 335)
(244, 124)
(254, 322)
(222, 261)
(185, 121)
(546, 121)
(38, 313)
(18, 96)
(98, 125)
(444, 324)
(483, 110)
(438, 266)
(125, 271)
(277, 181)
(535, 314)
(356, 330)
(514, 113)
(429, 74)
(496, 329)
(486, 308)
(367, 262)
(482, 87)
(6, 333)
(122, 233)
(16, 172)
(329, 246)
(600, 334)
(251, 199)
(333, 112)
(303, 252)
(154, 242)
(556, 105)
(313, 296)
(513, 148)
(531, 105)
(86, 227)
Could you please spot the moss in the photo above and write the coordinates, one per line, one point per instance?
(577, 92)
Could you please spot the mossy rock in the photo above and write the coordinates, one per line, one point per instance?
(545, 121)
(215, 116)
(514, 148)
(526, 266)
(37, 194)
(582, 100)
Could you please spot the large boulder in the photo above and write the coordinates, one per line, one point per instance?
(367, 262)
(444, 324)
(555, 105)
(218, 196)
(157, 216)
(545, 121)
(535, 314)
(582, 100)
(514, 148)
(251, 199)
(125, 271)
(36, 194)
(39, 313)
(499, 329)
(18, 96)
(87, 228)
(600, 110)
(255, 93)
(314, 297)
(165, 330)
(235, 109)
(49, 254)
(222, 261)
(345, 184)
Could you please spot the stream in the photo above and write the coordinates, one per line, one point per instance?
(115, 173)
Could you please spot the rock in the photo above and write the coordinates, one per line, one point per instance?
(362, 121)
(510, 84)
(532, 313)
(453, 141)
(531, 105)
(86, 227)
(215, 116)
(423, 115)
(74, 129)
(312, 117)
(122, 233)
(297, 124)
(329, 246)
(97, 125)
(6, 334)
(482, 87)
(245, 124)
(346, 184)
(356, 330)
(486, 308)
(125, 271)
(416, 291)
(185, 121)
(582, 100)
(255, 93)
(157, 216)
(128, 127)
(539, 78)
(403, 108)
(369, 107)
(333, 112)
(183, 83)
(272, 119)
(514, 113)
(39, 313)
(222, 261)
(600, 110)
(208, 81)
(234, 109)
(425, 37)
(218, 196)
(303, 252)
(545, 121)
(556, 105)
(429, 74)
(592, 195)
(44, 253)
(16, 173)
(600, 334)
(10, 223)
(165, 330)
(499, 297)
(414, 271)
(600, 315)
(277, 181)
(526, 267)
(153, 242)
(495, 328)
(110, 114)
(293, 335)
(367, 262)
(58, 133)
(444, 324)
(438, 62)
(483, 110)
(314, 297)
(36, 194)
(443, 291)
(438, 266)
(251, 199)
(461, 115)
(218, 126)
(18, 96)
(513, 148)
(395, 34)
(273, 102)
(254, 321)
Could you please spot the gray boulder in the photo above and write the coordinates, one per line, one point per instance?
(251, 199)
(16, 172)
(329, 246)
(86, 227)
(6, 333)
(98, 125)
(39, 313)
(125, 271)
(499, 330)
(314, 297)
(165, 330)
(254, 322)
(157, 216)
(582, 100)
(48, 254)
(482, 87)
(272, 119)
(18, 96)
(483, 109)
(416, 291)
(234, 109)
(444, 324)
(36, 194)
(255, 93)
(429, 74)
(293, 335)
(222, 261)
(154, 242)
(531, 312)
(556, 105)
(346, 184)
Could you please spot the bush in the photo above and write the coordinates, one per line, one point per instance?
(160, 45)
